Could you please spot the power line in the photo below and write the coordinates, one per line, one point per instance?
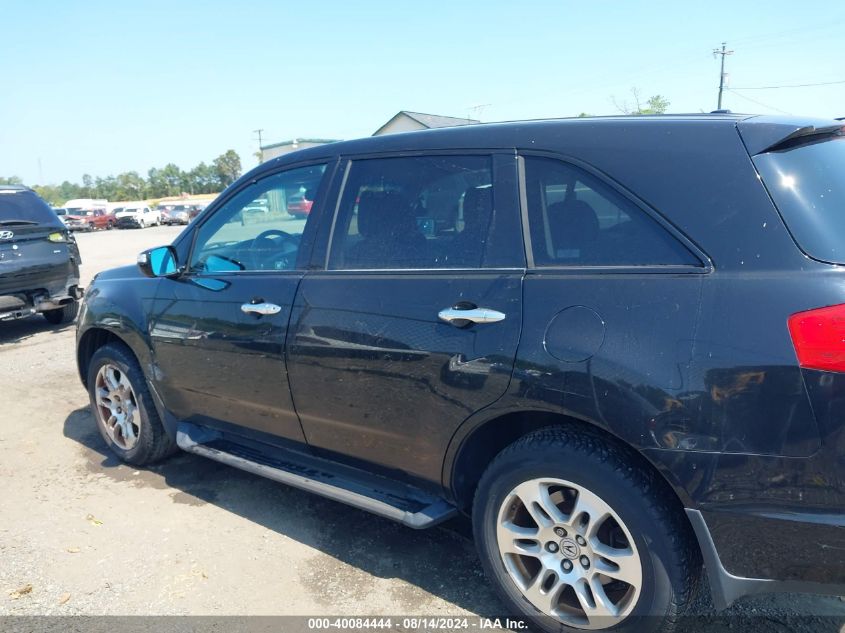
(760, 103)
(824, 83)
(790, 32)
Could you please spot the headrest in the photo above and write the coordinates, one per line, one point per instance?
(380, 212)
(478, 205)
(574, 224)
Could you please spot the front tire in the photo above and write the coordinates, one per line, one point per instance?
(123, 407)
(574, 535)
(65, 314)
(141, 223)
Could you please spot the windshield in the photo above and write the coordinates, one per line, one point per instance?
(807, 183)
(25, 207)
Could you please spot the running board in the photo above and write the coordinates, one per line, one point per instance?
(379, 495)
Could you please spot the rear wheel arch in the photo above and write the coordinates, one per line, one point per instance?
(476, 450)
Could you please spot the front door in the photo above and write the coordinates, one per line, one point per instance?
(218, 331)
(414, 324)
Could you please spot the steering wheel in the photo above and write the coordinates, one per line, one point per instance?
(271, 246)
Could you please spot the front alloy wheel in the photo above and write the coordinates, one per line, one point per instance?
(569, 553)
(117, 406)
(123, 407)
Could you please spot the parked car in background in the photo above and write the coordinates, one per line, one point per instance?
(137, 217)
(89, 220)
(163, 210)
(60, 212)
(195, 210)
(75, 206)
(177, 214)
(299, 205)
(617, 344)
(39, 259)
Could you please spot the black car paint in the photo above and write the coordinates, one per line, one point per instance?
(692, 367)
(37, 271)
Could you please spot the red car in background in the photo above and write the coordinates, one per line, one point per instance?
(299, 205)
(88, 219)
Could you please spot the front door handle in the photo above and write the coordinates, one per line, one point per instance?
(460, 318)
(261, 308)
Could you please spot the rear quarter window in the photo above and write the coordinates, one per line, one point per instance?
(807, 184)
(577, 220)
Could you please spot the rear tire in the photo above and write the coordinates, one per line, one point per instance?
(575, 534)
(65, 314)
(123, 407)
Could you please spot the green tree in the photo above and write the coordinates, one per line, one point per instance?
(657, 104)
(87, 190)
(11, 180)
(227, 167)
(130, 186)
(203, 179)
(172, 178)
(156, 186)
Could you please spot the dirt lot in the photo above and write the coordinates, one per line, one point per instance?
(82, 534)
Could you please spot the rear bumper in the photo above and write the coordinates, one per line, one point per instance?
(801, 553)
(38, 288)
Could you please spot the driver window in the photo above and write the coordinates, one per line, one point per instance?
(261, 226)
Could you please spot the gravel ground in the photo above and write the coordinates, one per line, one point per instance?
(82, 534)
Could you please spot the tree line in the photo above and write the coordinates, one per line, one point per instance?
(162, 182)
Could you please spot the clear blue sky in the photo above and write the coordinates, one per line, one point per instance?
(105, 87)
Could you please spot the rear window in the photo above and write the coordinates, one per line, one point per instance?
(807, 183)
(25, 207)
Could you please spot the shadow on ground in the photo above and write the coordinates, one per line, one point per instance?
(22, 329)
(441, 561)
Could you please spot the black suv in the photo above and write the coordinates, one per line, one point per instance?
(39, 259)
(617, 344)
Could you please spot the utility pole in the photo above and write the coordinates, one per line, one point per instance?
(721, 52)
(260, 151)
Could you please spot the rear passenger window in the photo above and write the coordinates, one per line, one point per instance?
(577, 220)
(414, 212)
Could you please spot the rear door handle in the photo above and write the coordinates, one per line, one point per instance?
(458, 317)
(261, 308)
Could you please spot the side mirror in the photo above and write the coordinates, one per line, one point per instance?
(158, 262)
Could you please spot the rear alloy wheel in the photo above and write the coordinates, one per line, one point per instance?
(123, 407)
(569, 552)
(575, 534)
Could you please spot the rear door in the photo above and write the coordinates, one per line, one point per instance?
(414, 323)
(218, 332)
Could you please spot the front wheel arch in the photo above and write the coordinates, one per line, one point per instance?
(92, 340)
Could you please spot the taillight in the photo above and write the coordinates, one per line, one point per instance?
(819, 338)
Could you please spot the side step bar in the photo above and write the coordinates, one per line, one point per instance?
(347, 485)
